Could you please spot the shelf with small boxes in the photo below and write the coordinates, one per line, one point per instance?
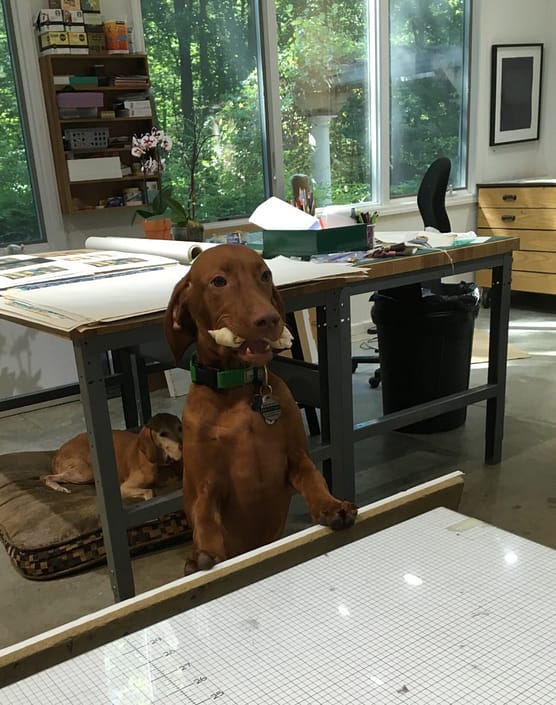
(95, 103)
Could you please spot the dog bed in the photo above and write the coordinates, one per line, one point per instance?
(49, 534)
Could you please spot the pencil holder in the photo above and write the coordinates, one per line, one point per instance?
(370, 235)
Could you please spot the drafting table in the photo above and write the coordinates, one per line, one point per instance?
(331, 298)
(438, 609)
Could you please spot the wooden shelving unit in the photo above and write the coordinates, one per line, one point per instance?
(80, 196)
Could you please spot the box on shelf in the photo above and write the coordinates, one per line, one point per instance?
(93, 168)
(138, 104)
(70, 5)
(73, 19)
(97, 42)
(93, 21)
(72, 113)
(79, 99)
(90, 5)
(305, 243)
(78, 43)
(116, 35)
(50, 20)
(87, 137)
(83, 80)
(54, 43)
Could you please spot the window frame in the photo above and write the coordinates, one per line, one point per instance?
(19, 20)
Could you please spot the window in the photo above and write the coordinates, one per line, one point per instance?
(428, 90)
(19, 222)
(218, 67)
(324, 81)
(203, 65)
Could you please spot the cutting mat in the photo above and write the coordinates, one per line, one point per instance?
(438, 609)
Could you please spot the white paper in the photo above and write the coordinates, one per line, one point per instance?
(34, 270)
(275, 214)
(181, 251)
(288, 271)
(69, 305)
(435, 240)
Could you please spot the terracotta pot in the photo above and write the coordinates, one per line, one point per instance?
(158, 229)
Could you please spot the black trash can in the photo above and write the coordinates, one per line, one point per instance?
(425, 337)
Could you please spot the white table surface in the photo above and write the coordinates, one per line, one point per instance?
(436, 610)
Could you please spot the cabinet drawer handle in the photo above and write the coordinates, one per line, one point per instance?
(509, 197)
(508, 218)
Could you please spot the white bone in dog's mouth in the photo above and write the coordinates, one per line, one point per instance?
(225, 337)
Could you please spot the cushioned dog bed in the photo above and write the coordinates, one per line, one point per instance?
(48, 534)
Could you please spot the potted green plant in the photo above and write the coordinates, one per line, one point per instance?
(157, 223)
(184, 227)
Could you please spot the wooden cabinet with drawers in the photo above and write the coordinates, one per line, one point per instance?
(527, 210)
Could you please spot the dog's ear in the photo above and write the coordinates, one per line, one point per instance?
(179, 327)
(146, 444)
(277, 302)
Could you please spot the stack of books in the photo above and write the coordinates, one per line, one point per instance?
(131, 81)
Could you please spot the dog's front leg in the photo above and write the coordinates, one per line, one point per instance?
(208, 540)
(324, 508)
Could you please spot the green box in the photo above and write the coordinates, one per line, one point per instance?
(305, 243)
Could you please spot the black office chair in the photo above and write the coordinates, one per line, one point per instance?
(431, 197)
(431, 201)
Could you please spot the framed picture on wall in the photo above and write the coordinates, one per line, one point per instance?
(515, 93)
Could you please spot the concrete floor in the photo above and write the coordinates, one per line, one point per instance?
(518, 495)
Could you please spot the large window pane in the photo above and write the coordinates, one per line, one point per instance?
(18, 215)
(203, 65)
(428, 96)
(324, 81)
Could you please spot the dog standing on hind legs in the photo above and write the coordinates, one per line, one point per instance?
(245, 450)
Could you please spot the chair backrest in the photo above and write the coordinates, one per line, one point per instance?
(431, 196)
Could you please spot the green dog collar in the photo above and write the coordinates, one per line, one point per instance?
(225, 379)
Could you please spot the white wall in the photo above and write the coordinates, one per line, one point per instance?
(513, 22)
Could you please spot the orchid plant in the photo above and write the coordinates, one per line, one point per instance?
(150, 149)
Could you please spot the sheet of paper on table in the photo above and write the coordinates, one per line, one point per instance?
(124, 294)
(29, 270)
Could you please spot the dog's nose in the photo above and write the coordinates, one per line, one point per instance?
(267, 320)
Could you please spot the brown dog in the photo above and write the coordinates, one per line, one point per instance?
(242, 464)
(138, 457)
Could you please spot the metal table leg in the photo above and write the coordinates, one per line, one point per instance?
(334, 345)
(497, 365)
(109, 503)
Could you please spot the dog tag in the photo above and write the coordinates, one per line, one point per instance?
(270, 409)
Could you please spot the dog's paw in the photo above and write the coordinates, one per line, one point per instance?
(204, 561)
(338, 515)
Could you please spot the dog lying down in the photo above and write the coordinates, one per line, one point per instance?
(245, 449)
(138, 457)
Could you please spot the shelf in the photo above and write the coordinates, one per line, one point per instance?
(85, 88)
(131, 178)
(135, 118)
(99, 150)
(82, 196)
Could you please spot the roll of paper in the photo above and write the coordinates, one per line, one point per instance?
(184, 252)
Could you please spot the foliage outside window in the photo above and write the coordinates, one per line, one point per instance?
(203, 59)
(18, 216)
(428, 100)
